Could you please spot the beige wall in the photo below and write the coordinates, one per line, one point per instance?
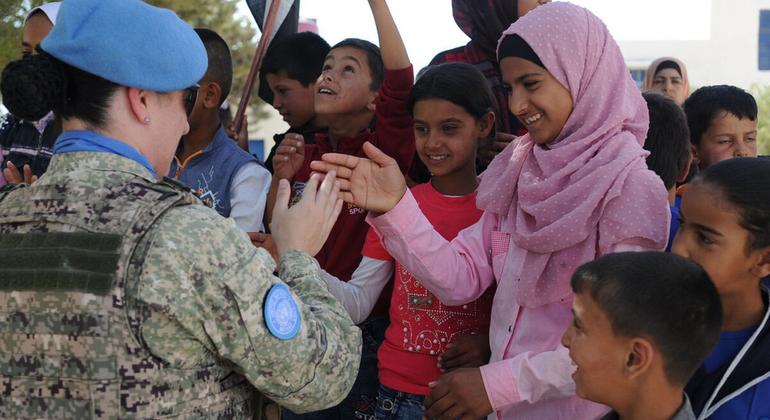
(729, 57)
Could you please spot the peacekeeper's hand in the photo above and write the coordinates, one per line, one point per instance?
(458, 395)
(12, 174)
(306, 225)
(375, 184)
(289, 156)
(467, 351)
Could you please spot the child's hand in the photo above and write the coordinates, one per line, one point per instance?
(489, 149)
(458, 395)
(467, 351)
(375, 184)
(289, 156)
(264, 240)
(240, 137)
(306, 225)
(14, 176)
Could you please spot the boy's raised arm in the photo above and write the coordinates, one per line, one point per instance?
(394, 55)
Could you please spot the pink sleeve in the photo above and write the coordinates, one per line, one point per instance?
(529, 377)
(456, 272)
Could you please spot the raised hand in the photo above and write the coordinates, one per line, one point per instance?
(12, 174)
(375, 184)
(306, 225)
(289, 156)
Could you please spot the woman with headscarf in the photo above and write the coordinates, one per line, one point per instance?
(26, 145)
(574, 188)
(484, 21)
(668, 75)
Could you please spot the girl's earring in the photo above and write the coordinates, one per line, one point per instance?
(146, 120)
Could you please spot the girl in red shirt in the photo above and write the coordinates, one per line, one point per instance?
(453, 110)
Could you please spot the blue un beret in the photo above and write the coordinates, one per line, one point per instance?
(128, 42)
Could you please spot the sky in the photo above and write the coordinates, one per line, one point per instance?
(428, 28)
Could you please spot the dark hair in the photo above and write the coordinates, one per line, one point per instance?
(37, 84)
(745, 184)
(373, 56)
(662, 296)
(220, 69)
(301, 56)
(459, 83)
(668, 138)
(707, 103)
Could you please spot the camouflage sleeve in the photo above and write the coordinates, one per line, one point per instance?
(206, 285)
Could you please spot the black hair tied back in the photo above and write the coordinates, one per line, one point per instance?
(33, 86)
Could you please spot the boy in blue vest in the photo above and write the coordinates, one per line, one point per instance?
(226, 177)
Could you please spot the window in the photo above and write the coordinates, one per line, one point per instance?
(764, 40)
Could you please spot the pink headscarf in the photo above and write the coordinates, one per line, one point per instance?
(553, 200)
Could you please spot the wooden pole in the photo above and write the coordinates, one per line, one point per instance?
(256, 63)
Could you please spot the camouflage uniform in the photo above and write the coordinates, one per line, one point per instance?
(176, 330)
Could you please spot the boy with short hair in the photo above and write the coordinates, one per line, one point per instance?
(723, 124)
(362, 95)
(643, 323)
(287, 81)
(668, 141)
(225, 177)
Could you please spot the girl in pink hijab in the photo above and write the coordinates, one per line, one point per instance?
(668, 75)
(572, 189)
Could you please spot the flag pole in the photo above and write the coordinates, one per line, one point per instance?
(256, 63)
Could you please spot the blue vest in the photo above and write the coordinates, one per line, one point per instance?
(211, 173)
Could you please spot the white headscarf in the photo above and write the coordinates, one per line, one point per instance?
(51, 10)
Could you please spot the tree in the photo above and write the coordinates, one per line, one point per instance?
(762, 95)
(12, 14)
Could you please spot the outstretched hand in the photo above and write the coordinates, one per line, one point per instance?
(306, 225)
(375, 184)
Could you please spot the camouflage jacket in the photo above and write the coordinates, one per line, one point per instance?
(176, 330)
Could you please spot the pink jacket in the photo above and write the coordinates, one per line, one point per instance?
(529, 374)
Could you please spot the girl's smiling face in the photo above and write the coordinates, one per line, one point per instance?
(711, 234)
(536, 98)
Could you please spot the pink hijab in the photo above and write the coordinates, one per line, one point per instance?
(590, 189)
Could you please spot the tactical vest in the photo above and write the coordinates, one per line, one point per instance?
(69, 342)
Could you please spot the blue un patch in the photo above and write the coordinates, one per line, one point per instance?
(281, 313)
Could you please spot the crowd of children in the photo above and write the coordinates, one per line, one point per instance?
(525, 234)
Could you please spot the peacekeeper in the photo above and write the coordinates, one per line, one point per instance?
(122, 296)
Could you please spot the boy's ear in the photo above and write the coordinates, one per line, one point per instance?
(761, 268)
(694, 152)
(486, 124)
(640, 357)
(211, 93)
(686, 168)
(371, 106)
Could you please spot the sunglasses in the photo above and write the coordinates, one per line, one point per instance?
(190, 96)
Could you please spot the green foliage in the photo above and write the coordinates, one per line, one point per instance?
(762, 95)
(12, 14)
